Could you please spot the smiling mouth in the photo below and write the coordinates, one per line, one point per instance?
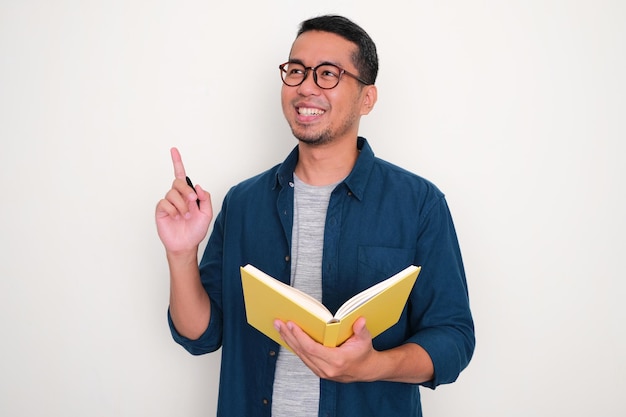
(306, 111)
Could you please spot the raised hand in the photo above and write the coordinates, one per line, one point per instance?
(181, 222)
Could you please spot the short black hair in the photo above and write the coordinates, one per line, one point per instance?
(365, 59)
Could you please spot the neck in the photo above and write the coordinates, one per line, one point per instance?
(326, 164)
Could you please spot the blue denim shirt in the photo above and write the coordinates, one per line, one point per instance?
(380, 219)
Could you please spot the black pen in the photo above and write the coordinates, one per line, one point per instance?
(189, 183)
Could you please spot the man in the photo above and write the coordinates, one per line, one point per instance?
(332, 219)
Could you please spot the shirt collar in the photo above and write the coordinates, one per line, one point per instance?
(355, 181)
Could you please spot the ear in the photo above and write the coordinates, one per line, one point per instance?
(370, 95)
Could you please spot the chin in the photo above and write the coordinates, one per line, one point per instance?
(312, 139)
(317, 141)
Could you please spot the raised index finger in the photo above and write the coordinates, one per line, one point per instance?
(179, 168)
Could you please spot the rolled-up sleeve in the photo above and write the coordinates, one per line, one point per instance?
(440, 302)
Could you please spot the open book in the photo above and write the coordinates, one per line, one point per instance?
(267, 299)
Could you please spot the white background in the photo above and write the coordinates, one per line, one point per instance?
(515, 109)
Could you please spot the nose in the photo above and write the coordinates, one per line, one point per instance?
(308, 85)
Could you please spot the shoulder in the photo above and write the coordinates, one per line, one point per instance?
(401, 181)
(253, 187)
(375, 171)
(269, 181)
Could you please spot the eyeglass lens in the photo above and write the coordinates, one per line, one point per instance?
(326, 76)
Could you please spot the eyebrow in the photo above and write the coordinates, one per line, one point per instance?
(299, 61)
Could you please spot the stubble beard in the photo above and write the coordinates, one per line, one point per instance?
(310, 137)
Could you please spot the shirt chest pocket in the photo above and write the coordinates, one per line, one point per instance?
(376, 263)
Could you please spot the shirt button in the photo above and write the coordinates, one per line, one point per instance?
(272, 353)
(287, 258)
(265, 401)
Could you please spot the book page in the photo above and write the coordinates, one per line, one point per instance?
(369, 293)
(300, 297)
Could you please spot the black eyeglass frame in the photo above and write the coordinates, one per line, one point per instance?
(342, 71)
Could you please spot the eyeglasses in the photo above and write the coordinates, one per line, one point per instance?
(326, 76)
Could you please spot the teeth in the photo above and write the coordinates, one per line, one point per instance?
(310, 112)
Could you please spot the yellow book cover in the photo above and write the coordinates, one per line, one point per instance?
(267, 299)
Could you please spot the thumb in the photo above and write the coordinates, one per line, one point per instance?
(360, 329)
(204, 200)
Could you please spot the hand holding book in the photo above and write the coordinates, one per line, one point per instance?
(267, 299)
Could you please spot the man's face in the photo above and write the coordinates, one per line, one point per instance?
(318, 116)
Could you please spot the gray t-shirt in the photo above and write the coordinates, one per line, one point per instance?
(296, 387)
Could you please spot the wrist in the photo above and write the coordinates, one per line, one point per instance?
(182, 259)
(182, 254)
